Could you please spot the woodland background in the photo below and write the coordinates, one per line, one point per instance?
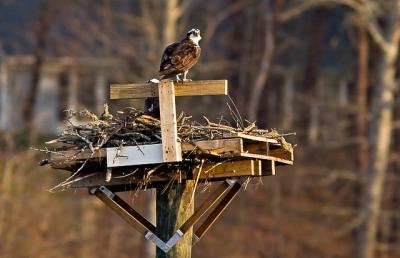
(325, 69)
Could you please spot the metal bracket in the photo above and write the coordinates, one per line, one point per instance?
(107, 192)
(92, 190)
(156, 240)
(240, 180)
(174, 239)
(230, 181)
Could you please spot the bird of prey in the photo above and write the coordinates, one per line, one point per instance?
(178, 58)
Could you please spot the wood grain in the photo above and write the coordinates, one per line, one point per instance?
(229, 169)
(214, 147)
(169, 132)
(146, 90)
(174, 207)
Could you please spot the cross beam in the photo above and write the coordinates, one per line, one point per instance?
(166, 91)
(150, 90)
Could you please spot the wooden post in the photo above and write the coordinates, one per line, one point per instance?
(169, 132)
(174, 207)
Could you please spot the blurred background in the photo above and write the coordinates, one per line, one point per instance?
(325, 69)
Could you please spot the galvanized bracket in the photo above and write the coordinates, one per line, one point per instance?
(156, 240)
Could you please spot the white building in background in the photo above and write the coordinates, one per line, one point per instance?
(65, 83)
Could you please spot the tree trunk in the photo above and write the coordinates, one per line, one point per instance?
(362, 87)
(379, 142)
(40, 49)
(100, 92)
(288, 102)
(245, 67)
(315, 44)
(174, 207)
(172, 14)
(262, 75)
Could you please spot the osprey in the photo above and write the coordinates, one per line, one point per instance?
(178, 58)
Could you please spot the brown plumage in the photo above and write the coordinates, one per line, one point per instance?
(178, 58)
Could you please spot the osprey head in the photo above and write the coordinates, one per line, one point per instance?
(194, 35)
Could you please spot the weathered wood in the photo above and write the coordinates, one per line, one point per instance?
(174, 207)
(256, 147)
(133, 180)
(209, 221)
(236, 148)
(229, 169)
(214, 147)
(213, 171)
(265, 157)
(146, 90)
(247, 137)
(126, 213)
(169, 132)
(147, 224)
(77, 155)
(281, 153)
(205, 206)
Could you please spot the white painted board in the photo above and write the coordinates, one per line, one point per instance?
(134, 155)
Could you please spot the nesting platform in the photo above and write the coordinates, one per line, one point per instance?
(230, 155)
(133, 167)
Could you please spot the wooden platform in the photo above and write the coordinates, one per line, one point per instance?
(234, 156)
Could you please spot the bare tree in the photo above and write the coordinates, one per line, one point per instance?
(385, 31)
(266, 60)
(362, 90)
(40, 36)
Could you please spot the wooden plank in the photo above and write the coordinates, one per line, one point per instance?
(169, 133)
(135, 155)
(133, 91)
(214, 215)
(214, 147)
(249, 137)
(202, 88)
(256, 147)
(209, 171)
(142, 220)
(124, 177)
(205, 206)
(265, 157)
(129, 218)
(145, 90)
(77, 155)
(222, 148)
(282, 153)
(228, 169)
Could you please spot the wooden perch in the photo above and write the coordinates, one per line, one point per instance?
(147, 90)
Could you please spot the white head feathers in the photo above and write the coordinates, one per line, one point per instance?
(194, 36)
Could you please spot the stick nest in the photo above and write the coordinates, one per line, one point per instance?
(131, 127)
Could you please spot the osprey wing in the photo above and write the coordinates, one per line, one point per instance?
(166, 57)
(185, 56)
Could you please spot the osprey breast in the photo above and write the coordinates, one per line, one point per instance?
(178, 58)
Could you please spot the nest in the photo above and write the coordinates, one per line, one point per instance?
(131, 127)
